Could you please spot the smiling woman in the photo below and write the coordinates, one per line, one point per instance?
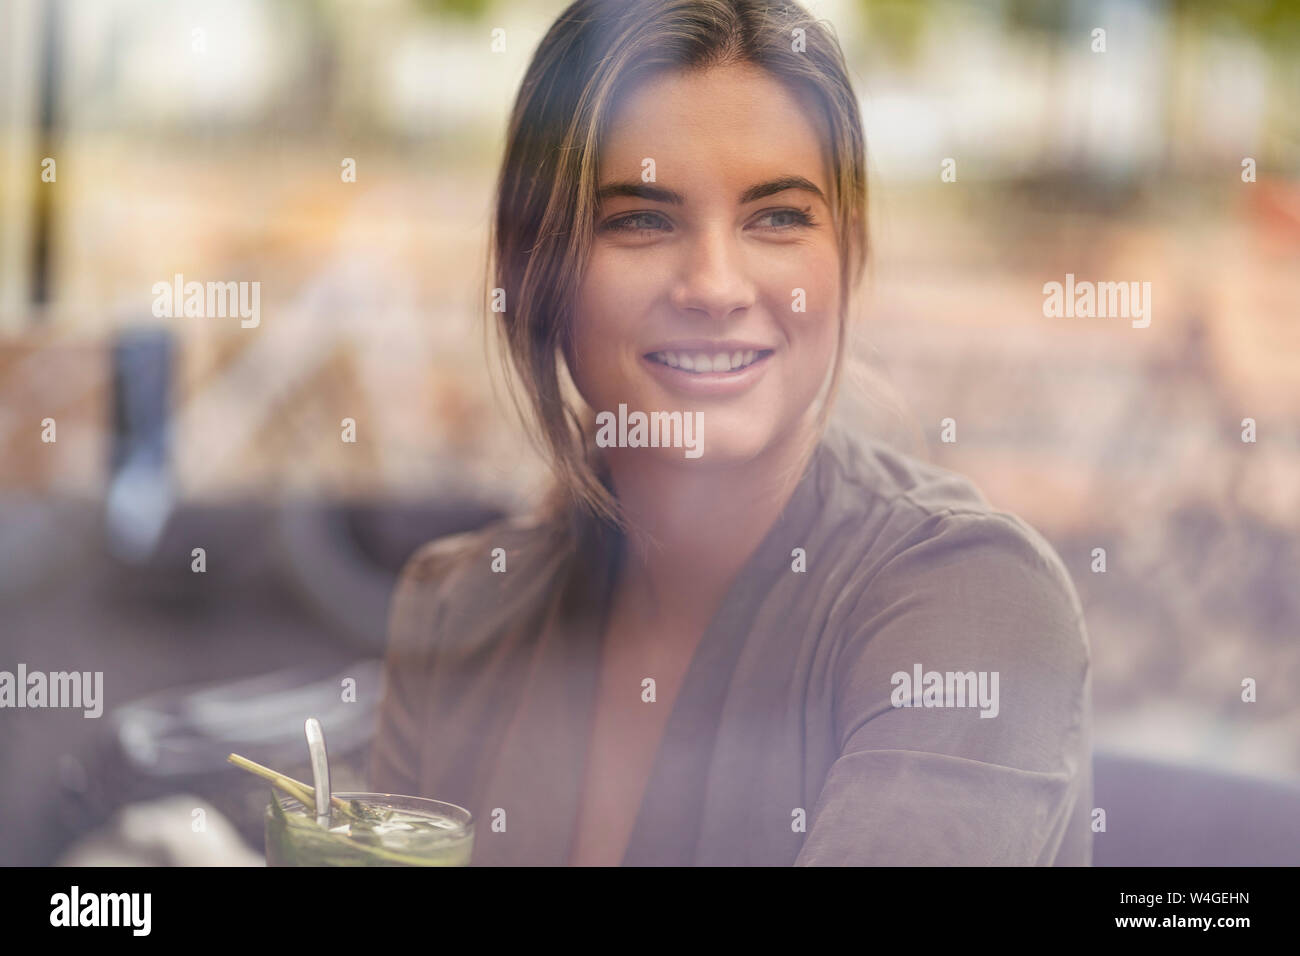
(693, 660)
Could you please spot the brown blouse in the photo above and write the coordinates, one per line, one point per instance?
(919, 692)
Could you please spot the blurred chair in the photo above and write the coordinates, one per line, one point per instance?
(1160, 814)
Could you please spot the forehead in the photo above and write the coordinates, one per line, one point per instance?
(723, 123)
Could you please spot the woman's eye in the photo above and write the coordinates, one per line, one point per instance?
(788, 218)
(644, 223)
(638, 222)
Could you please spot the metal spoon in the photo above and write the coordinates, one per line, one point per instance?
(320, 770)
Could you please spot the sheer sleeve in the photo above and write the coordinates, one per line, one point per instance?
(993, 782)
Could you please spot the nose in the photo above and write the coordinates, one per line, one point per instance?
(714, 282)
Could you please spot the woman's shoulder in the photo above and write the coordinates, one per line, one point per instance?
(494, 545)
(954, 586)
(928, 533)
(459, 585)
(870, 474)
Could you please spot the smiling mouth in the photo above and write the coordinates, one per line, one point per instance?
(700, 362)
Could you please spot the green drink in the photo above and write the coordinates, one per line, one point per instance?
(383, 829)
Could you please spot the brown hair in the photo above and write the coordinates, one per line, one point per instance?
(546, 195)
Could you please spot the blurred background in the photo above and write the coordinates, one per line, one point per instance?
(148, 138)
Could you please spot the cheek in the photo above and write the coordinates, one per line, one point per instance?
(595, 320)
(604, 323)
(813, 330)
(618, 293)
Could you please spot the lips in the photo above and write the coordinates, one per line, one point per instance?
(703, 368)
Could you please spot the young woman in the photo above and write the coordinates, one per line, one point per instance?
(737, 635)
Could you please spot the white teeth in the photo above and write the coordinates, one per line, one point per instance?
(701, 362)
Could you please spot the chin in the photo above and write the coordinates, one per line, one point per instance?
(724, 447)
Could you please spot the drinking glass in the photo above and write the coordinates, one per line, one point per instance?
(405, 831)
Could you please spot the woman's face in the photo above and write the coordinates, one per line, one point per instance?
(714, 286)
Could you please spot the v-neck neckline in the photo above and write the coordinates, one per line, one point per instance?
(675, 789)
(544, 755)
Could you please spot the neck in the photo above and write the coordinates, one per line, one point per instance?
(693, 529)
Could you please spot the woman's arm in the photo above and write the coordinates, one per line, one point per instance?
(945, 785)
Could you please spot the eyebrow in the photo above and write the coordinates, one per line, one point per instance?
(639, 190)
